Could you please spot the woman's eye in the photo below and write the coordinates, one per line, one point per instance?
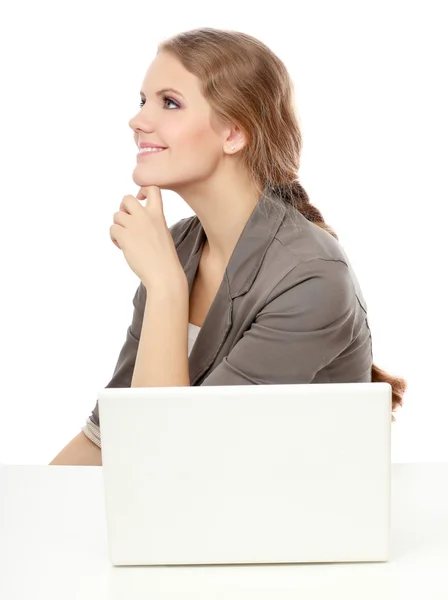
(165, 99)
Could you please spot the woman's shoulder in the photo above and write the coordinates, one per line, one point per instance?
(308, 251)
(306, 240)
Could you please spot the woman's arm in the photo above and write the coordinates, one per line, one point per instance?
(162, 355)
(79, 451)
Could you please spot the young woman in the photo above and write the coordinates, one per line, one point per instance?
(255, 287)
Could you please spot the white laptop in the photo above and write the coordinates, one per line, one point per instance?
(295, 473)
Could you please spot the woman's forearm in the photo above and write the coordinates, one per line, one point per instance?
(79, 451)
(162, 356)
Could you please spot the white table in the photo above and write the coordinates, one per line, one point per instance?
(53, 545)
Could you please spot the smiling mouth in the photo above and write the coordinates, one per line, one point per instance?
(144, 152)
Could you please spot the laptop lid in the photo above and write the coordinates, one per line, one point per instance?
(247, 474)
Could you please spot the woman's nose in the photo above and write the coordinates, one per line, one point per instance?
(143, 119)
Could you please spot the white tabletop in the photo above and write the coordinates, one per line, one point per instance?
(53, 545)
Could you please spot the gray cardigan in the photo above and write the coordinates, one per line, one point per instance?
(289, 309)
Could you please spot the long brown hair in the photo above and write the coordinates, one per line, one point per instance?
(247, 84)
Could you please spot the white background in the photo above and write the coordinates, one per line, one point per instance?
(370, 82)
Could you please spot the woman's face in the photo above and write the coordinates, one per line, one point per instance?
(180, 121)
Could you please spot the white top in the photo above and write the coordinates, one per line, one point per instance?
(53, 545)
(193, 331)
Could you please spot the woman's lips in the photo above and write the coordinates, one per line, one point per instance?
(151, 153)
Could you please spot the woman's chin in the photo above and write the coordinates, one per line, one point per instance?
(140, 179)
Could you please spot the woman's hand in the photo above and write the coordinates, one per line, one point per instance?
(142, 234)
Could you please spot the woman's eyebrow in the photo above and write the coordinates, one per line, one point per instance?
(161, 92)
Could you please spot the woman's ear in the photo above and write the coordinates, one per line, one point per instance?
(235, 140)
